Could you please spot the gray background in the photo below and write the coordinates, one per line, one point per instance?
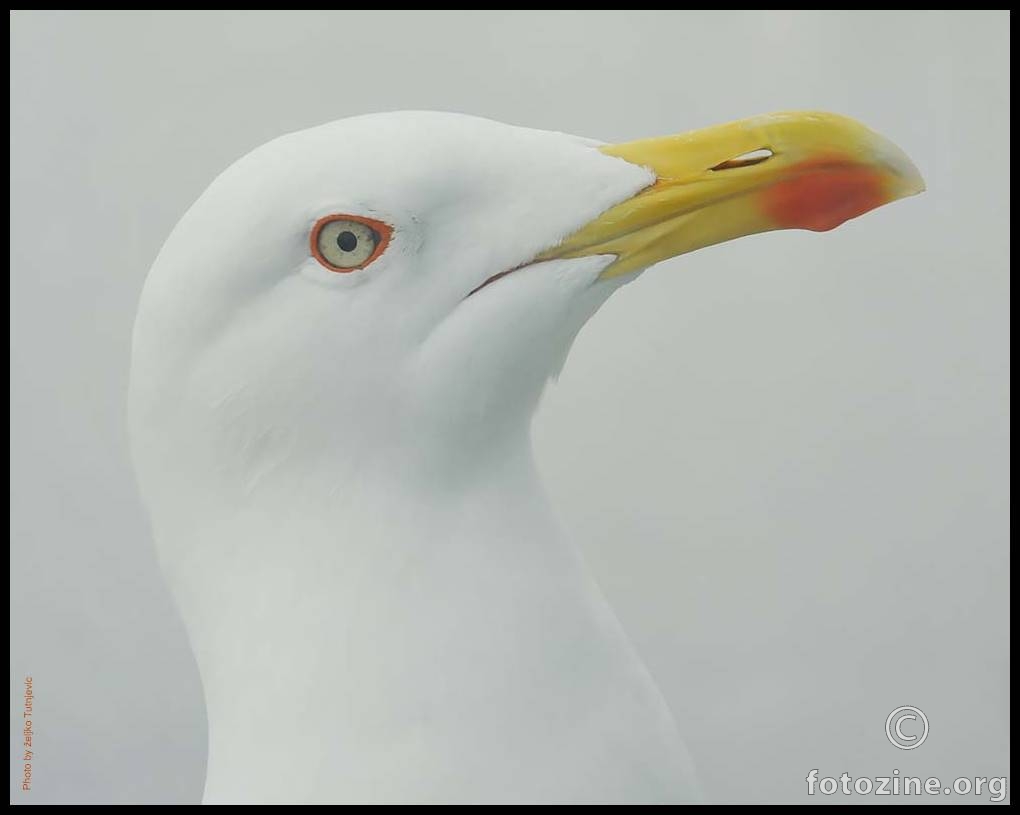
(786, 457)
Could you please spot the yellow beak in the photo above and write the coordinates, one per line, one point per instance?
(800, 170)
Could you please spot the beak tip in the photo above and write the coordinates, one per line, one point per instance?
(907, 179)
(911, 181)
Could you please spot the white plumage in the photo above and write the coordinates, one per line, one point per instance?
(339, 475)
(338, 469)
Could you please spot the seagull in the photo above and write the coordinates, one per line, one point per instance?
(336, 359)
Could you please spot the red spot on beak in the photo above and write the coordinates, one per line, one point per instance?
(823, 193)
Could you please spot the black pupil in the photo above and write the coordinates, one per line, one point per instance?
(347, 241)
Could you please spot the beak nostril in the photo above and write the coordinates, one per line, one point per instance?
(745, 160)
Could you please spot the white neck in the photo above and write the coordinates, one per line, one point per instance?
(398, 643)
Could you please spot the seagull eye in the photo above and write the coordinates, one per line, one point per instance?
(344, 243)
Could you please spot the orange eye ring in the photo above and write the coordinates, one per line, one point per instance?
(367, 229)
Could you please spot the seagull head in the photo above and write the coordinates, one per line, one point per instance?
(390, 293)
